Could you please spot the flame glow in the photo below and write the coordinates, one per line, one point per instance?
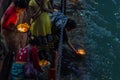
(44, 63)
(23, 27)
(81, 51)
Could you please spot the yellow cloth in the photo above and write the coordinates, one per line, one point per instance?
(42, 25)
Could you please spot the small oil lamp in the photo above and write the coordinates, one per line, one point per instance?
(81, 52)
(44, 63)
(23, 27)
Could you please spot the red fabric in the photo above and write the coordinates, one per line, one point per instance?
(10, 17)
(35, 58)
(23, 55)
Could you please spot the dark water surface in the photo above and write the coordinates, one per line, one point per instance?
(103, 39)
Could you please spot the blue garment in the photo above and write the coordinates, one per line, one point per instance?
(17, 71)
(58, 19)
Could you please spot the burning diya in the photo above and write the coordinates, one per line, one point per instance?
(44, 63)
(81, 52)
(23, 27)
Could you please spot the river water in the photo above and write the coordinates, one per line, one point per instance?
(103, 39)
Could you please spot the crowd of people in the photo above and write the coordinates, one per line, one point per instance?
(42, 38)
